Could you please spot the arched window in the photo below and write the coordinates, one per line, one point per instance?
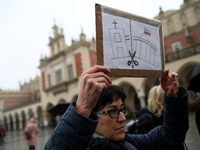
(184, 19)
(170, 26)
(197, 13)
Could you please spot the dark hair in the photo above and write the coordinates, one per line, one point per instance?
(114, 92)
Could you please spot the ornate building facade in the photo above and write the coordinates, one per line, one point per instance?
(10, 101)
(61, 71)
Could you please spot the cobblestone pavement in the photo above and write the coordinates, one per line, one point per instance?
(192, 137)
(16, 139)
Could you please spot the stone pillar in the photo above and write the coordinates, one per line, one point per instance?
(24, 122)
(8, 124)
(27, 119)
(36, 118)
(20, 123)
(11, 124)
(14, 124)
(141, 96)
(46, 118)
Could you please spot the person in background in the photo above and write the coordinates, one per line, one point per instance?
(42, 125)
(153, 115)
(33, 130)
(97, 119)
(2, 135)
(156, 101)
(142, 111)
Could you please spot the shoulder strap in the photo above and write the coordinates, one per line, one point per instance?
(132, 146)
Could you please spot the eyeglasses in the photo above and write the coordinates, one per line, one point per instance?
(114, 113)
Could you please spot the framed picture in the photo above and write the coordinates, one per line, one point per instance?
(129, 45)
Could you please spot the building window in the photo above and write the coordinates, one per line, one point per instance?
(49, 80)
(176, 46)
(58, 76)
(70, 72)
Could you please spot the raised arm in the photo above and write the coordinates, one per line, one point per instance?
(78, 124)
(171, 134)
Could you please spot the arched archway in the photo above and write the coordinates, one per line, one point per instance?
(57, 118)
(132, 100)
(30, 113)
(17, 121)
(39, 115)
(23, 116)
(48, 115)
(11, 122)
(148, 84)
(185, 73)
(5, 123)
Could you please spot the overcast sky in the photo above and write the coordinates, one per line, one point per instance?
(25, 27)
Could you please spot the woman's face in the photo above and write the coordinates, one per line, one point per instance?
(112, 129)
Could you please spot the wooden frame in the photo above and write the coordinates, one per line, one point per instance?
(100, 12)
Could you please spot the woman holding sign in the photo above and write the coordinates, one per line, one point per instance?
(97, 119)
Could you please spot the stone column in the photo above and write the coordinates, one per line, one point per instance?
(36, 118)
(8, 125)
(11, 124)
(141, 96)
(46, 118)
(20, 123)
(14, 124)
(27, 119)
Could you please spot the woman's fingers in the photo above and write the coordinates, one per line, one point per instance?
(96, 77)
(100, 75)
(97, 68)
(166, 73)
(93, 82)
(169, 84)
(173, 89)
(174, 75)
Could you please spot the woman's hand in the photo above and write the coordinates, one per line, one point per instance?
(93, 82)
(169, 84)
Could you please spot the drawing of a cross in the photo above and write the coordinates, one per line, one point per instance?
(114, 23)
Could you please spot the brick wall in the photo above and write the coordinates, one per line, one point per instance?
(93, 58)
(180, 37)
(78, 62)
(10, 103)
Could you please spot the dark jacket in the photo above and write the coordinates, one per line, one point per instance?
(75, 132)
(145, 123)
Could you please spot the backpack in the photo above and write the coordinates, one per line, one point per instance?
(143, 125)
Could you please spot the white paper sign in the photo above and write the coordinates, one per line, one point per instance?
(128, 44)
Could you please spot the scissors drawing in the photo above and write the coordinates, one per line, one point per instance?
(132, 61)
